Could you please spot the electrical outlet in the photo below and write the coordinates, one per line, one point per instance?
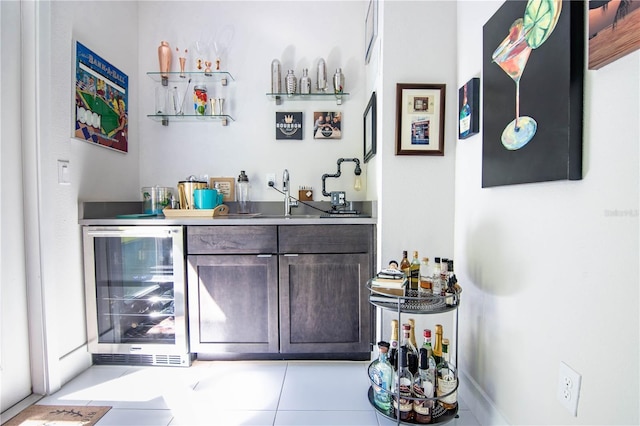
(271, 179)
(568, 392)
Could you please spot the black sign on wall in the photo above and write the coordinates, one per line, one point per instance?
(289, 125)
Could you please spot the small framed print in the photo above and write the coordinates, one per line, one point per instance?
(468, 108)
(289, 125)
(226, 185)
(420, 119)
(327, 125)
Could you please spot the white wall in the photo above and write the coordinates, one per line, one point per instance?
(549, 274)
(417, 199)
(296, 33)
(96, 173)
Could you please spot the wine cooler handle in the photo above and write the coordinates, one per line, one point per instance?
(120, 233)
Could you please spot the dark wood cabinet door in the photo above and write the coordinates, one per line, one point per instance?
(323, 303)
(233, 303)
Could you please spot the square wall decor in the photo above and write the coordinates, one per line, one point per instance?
(533, 59)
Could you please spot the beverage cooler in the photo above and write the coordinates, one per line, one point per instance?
(135, 295)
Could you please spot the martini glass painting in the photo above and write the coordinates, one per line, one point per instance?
(525, 34)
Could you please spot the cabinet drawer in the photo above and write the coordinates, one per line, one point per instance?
(326, 239)
(231, 239)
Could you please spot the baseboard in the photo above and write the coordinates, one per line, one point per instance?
(479, 402)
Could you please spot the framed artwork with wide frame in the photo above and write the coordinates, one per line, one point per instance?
(420, 119)
(369, 119)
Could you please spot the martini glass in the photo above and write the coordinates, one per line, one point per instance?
(512, 56)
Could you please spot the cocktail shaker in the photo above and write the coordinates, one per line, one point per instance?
(276, 81)
(322, 76)
(338, 81)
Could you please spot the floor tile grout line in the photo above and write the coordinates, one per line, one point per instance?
(284, 378)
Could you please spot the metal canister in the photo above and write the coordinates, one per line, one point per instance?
(200, 100)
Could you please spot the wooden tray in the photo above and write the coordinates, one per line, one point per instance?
(221, 210)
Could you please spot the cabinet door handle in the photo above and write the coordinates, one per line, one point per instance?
(265, 255)
(291, 255)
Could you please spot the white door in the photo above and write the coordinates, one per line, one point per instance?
(15, 374)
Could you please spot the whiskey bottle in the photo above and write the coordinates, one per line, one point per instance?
(414, 271)
(447, 381)
(423, 388)
(402, 402)
(405, 266)
(381, 374)
(410, 349)
(393, 342)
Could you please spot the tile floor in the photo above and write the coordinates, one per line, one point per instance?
(226, 393)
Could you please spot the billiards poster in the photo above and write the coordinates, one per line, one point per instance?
(101, 101)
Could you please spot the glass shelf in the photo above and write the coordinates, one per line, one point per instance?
(164, 118)
(278, 97)
(196, 76)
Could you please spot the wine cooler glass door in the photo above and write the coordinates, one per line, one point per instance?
(137, 289)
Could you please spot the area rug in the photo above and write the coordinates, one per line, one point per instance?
(58, 415)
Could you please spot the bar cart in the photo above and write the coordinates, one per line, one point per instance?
(412, 303)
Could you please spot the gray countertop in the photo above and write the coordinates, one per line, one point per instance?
(265, 213)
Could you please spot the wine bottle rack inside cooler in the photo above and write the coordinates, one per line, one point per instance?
(412, 303)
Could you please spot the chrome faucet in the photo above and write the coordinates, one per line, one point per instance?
(286, 187)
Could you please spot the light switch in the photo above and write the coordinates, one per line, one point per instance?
(64, 177)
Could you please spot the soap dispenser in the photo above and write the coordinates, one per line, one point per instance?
(242, 189)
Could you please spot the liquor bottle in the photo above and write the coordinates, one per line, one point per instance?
(447, 382)
(423, 388)
(465, 114)
(444, 275)
(437, 280)
(382, 376)
(393, 342)
(402, 402)
(450, 291)
(412, 332)
(427, 346)
(410, 349)
(405, 266)
(414, 271)
(437, 346)
(424, 284)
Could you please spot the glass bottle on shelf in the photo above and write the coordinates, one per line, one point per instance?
(437, 346)
(402, 402)
(405, 266)
(437, 280)
(423, 388)
(447, 381)
(414, 271)
(393, 342)
(424, 284)
(426, 345)
(410, 349)
(382, 376)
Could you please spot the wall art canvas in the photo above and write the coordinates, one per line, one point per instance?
(469, 108)
(533, 59)
(289, 125)
(327, 125)
(614, 30)
(101, 101)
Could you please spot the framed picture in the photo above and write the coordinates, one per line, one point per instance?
(226, 185)
(614, 30)
(370, 28)
(289, 125)
(101, 110)
(469, 108)
(420, 119)
(533, 94)
(327, 125)
(369, 119)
